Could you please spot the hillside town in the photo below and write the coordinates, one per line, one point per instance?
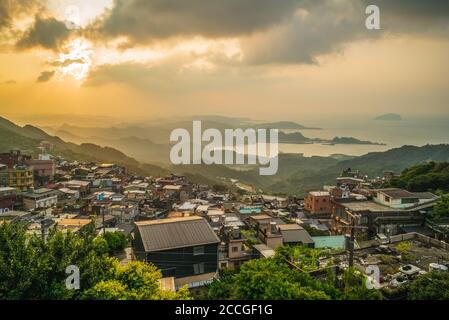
(192, 232)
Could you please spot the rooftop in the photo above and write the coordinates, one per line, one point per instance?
(293, 235)
(395, 193)
(73, 222)
(250, 210)
(175, 233)
(320, 193)
(264, 250)
(40, 193)
(261, 217)
(77, 182)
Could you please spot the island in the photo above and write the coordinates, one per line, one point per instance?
(351, 140)
(299, 138)
(284, 125)
(389, 117)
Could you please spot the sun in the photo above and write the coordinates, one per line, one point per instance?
(74, 61)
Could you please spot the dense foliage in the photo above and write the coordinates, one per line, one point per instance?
(431, 286)
(441, 208)
(34, 268)
(431, 176)
(275, 279)
(116, 241)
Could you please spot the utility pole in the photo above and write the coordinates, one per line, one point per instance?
(102, 212)
(352, 237)
(351, 243)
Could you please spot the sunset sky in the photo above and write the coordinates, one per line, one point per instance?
(267, 59)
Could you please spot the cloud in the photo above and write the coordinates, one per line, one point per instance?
(46, 33)
(284, 31)
(11, 9)
(146, 20)
(326, 26)
(9, 82)
(45, 76)
(317, 28)
(433, 9)
(176, 74)
(67, 62)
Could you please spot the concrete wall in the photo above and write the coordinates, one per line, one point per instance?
(407, 237)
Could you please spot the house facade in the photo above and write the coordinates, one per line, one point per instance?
(180, 247)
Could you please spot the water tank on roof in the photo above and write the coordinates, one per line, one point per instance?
(437, 267)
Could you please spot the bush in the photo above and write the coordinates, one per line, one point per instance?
(116, 241)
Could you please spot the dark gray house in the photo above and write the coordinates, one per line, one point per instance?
(179, 247)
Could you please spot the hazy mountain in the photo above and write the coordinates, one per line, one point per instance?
(283, 125)
(28, 138)
(389, 117)
(296, 175)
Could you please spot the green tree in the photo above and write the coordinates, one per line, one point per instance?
(431, 286)
(222, 288)
(267, 279)
(431, 176)
(353, 286)
(133, 281)
(34, 268)
(275, 278)
(31, 268)
(116, 241)
(441, 208)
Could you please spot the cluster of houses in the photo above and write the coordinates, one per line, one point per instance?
(191, 231)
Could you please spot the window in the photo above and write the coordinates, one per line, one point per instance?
(387, 199)
(198, 268)
(409, 200)
(235, 249)
(197, 251)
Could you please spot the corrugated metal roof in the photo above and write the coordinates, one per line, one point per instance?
(177, 233)
(296, 236)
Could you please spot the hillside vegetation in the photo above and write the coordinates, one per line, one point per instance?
(431, 176)
(296, 175)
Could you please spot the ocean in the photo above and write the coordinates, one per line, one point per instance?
(413, 130)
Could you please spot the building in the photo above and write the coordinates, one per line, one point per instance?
(266, 230)
(21, 177)
(3, 175)
(401, 199)
(8, 198)
(83, 187)
(13, 216)
(318, 203)
(234, 249)
(39, 199)
(13, 158)
(391, 212)
(294, 234)
(44, 170)
(184, 248)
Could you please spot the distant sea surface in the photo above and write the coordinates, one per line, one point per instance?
(417, 131)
